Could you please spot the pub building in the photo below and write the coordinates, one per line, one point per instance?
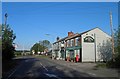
(81, 47)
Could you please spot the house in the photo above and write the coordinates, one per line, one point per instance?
(73, 46)
(90, 43)
(59, 49)
(85, 46)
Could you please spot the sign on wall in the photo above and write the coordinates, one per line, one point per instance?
(88, 39)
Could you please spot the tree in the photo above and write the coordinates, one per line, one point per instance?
(116, 63)
(117, 40)
(41, 46)
(7, 42)
(37, 47)
(105, 51)
(45, 43)
(117, 47)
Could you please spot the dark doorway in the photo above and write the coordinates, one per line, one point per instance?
(80, 59)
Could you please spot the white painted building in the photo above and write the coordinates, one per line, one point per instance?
(90, 50)
(89, 45)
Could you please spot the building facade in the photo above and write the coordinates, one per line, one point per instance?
(84, 46)
(73, 47)
(91, 41)
(58, 51)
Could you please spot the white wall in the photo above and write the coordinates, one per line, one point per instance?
(88, 49)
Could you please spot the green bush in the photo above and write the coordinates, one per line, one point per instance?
(110, 64)
(17, 53)
(114, 64)
(100, 65)
(117, 61)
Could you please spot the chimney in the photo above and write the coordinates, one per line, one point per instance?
(70, 34)
(58, 38)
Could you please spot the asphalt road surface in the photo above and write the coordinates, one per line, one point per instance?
(39, 68)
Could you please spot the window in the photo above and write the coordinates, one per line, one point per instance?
(77, 41)
(69, 43)
(72, 42)
(57, 46)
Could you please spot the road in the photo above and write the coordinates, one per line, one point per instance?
(39, 68)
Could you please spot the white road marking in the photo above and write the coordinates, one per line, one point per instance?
(11, 73)
(26, 60)
(44, 67)
(52, 75)
(92, 74)
(14, 71)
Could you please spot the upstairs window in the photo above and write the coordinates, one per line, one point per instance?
(77, 41)
(69, 43)
(72, 42)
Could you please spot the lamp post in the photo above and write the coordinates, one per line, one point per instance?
(51, 47)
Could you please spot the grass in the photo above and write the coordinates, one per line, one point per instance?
(43, 56)
(101, 65)
(18, 55)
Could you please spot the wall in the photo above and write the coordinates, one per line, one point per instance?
(89, 49)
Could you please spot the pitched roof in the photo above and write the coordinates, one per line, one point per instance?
(73, 36)
(93, 29)
(77, 34)
(60, 40)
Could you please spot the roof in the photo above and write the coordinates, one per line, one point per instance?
(60, 40)
(78, 34)
(93, 29)
(88, 31)
(73, 36)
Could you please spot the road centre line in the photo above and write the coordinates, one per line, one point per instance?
(44, 67)
(52, 75)
(11, 74)
(92, 74)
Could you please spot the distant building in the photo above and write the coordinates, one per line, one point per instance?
(59, 49)
(84, 45)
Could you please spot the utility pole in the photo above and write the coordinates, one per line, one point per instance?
(6, 15)
(38, 47)
(95, 45)
(112, 34)
(23, 49)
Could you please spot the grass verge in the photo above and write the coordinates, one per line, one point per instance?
(101, 65)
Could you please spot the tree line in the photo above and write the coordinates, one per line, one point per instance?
(40, 46)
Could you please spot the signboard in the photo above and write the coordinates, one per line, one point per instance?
(88, 39)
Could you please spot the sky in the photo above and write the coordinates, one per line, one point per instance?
(31, 21)
(59, 0)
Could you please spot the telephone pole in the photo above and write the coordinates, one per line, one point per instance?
(23, 50)
(6, 15)
(112, 34)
